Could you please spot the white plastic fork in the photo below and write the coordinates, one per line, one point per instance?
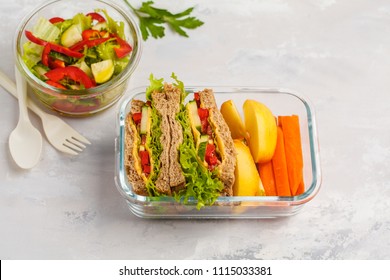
(61, 135)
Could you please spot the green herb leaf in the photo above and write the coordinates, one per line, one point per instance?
(152, 20)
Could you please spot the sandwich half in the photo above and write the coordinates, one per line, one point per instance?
(212, 137)
(147, 138)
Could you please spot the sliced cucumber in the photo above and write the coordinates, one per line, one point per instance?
(71, 36)
(194, 116)
(203, 141)
(204, 138)
(84, 66)
(41, 71)
(145, 123)
(202, 150)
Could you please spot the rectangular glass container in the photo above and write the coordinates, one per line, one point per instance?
(280, 102)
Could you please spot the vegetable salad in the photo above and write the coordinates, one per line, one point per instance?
(77, 53)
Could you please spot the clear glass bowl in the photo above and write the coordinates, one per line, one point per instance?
(281, 102)
(84, 102)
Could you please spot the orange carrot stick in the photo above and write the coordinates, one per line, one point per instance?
(301, 189)
(279, 165)
(293, 149)
(266, 172)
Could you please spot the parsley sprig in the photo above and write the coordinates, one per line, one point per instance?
(152, 20)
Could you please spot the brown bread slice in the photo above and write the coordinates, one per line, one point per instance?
(223, 139)
(176, 177)
(163, 180)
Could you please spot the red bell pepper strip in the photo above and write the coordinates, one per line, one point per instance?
(72, 72)
(53, 46)
(89, 43)
(34, 39)
(123, 49)
(51, 62)
(54, 20)
(96, 16)
(65, 51)
(45, 55)
(90, 34)
(55, 84)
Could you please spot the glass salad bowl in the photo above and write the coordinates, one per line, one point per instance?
(281, 102)
(95, 37)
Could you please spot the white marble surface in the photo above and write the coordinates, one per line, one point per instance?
(335, 52)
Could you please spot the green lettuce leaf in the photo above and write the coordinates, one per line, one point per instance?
(83, 21)
(120, 64)
(155, 84)
(45, 30)
(112, 25)
(201, 184)
(179, 84)
(106, 51)
(32, 54)
(64, 25)
(156, 149)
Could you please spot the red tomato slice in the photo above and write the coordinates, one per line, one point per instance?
(147, 169)
(144, 155)
(137, 117)
(203, 113)
(210, 156)
(197, 98)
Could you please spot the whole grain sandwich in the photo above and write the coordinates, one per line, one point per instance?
(179, 150)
